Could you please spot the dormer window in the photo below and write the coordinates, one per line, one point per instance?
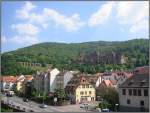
(131, 82)
(143, 82)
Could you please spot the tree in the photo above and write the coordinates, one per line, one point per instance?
(111, 96)
(60, 93)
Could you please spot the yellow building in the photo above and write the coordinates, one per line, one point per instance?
(80, 89)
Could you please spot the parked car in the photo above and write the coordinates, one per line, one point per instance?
(105, 110)
(25, 100)
(83, 105)
(10, 93)
(24, 109)
(43, 106)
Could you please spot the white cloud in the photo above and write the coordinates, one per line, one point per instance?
(134, 14)
(24, 12)
(25, 29)
(71, 23)
(47, 16)
(101, 15)
(26, 33)
(24, 39)
(139, 26)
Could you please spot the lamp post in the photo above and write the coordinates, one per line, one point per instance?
(116, 106)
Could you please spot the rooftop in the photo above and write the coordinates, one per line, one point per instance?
(137, 80)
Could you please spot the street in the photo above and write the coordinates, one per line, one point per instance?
(17, 101)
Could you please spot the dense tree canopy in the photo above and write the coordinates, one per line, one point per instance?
(66, 56)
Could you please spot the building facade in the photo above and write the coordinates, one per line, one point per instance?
(80, 89)
(46, 81)
(134, 93)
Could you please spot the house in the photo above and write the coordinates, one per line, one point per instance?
(28, 79)
(99, 79)
(7, 82)
(79, 89)
(46, 81)
(117, 77)
(134, 93)
(63, 78)
(60, 80)
(143, 69)
(102, 87)
(19, 82)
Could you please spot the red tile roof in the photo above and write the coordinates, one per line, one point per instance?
(12, 79)
(108, 83)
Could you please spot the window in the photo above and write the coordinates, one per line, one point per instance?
(145, 92)
(123, 91)
(85, 93)
(139, 92)
(134, 92)
(90, 92)
(130, 91)
(142, 103)
(87, 86)
(92, 98)
(83, 86)
(90, 86)
(128, 101)
(81, 93)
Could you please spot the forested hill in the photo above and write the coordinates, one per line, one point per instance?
(89, 57)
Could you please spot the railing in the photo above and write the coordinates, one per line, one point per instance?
(15, 107)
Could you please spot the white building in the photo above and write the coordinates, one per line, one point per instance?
(134, 94)
(46, 81)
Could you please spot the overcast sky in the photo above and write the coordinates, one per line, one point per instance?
(27, 23)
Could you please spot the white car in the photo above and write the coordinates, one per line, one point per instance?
(43, 106)
(83, 105)
(105, 110)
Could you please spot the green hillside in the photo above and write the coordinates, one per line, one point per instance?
(90, 57)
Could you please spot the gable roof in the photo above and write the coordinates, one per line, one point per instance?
(78, 80)
(108, 83)
(137, 80)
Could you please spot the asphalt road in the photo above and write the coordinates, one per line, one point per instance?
(17, 101)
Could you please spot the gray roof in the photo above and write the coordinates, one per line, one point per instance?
(136, 81)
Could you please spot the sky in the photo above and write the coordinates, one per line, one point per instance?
(25, 23)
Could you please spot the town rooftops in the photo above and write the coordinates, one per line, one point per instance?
(141, 70)
(80, 79)
(12, 79)
(108, 83)
(136, 81)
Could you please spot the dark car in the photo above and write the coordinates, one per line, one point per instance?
(24, 109)
(25, 100)
(31, 111)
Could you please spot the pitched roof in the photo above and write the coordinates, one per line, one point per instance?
(137, 80)
(92, 79)
(108, 83)
(80, 79)
(142, 70)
